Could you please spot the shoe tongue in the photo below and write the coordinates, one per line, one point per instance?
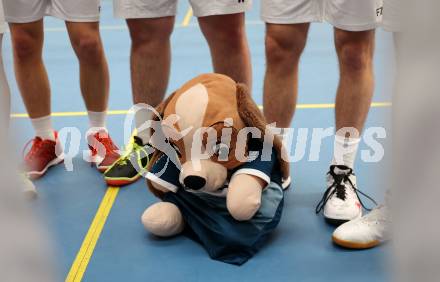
(340, 169)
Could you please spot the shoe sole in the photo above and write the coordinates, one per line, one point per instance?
(33, 175)
(101, 169)
(354, 245)
(121, 182)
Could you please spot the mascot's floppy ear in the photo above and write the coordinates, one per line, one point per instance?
(252, 117)
(157, 153)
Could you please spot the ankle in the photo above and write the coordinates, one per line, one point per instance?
(143, 114)
(97, 120)
(43, 127)
(345, 150)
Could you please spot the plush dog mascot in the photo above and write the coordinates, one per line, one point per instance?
(222, 182)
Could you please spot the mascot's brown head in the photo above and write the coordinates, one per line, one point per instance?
(207, 122)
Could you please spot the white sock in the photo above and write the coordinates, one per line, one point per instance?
(142, 115)
(97, 121)
(345, 150)
(43, 128)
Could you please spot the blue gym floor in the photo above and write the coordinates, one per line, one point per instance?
(301, 248)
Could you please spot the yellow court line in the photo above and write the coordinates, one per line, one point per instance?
(72, 114)
(187, 18)
(330, 106)
(85, 253)
(124, 112)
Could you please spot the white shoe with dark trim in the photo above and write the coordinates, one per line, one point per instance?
(365, 232)
(340, 202)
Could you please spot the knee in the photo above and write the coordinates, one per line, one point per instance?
(148, 46)
(244, 209)
(163, 219)
(25, 46)
(354, 57)
(148, 37)
(283, 51)
(88, 48)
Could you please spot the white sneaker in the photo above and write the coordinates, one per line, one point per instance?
(340, 201)
(365, 232)
(28, 187)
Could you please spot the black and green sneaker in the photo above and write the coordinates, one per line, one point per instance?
(130, 166)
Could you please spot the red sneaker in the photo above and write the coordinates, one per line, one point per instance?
(110, 150)
(41, 156)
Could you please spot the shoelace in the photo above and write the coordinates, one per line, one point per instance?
(339, 185)
(37, 144)
(126, 157)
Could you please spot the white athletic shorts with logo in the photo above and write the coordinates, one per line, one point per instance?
(26, 11)
(350, 15)
(2, 19)
(134, 9)
(391, 15)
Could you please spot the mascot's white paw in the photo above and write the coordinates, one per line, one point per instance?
(163, 219)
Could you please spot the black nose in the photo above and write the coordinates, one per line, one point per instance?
(194, 182)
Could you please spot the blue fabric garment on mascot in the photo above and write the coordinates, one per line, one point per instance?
(206, 215)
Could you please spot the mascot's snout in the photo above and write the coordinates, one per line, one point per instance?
(206, 175)
(194, 182)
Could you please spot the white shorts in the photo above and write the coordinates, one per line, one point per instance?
(26, 11)
(133, 9)
(2, 19)
(391, 14)
(350, 15)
